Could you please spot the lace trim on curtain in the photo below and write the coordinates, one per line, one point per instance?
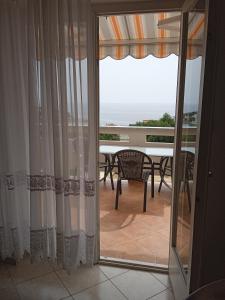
(59, 185)
(89, 188)
(9, 242)
(39, 243)
(45, 183)
(49, 182)
(13, 180)
(44, 242)
(44, 246)
(68, 186)
(72, 246)
(40, 182)
(68, 247)
(90, 246)
(9, 182)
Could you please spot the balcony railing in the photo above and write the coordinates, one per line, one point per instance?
(137, 136)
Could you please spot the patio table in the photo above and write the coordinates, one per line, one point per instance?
(150, 151)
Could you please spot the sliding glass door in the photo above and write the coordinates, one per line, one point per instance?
(191, 70)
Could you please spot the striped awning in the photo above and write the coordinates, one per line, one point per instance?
(157, 34)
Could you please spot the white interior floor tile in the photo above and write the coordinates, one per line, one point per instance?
(47, 287)
(102, 291)
(84, 283)
(138, 285)
(112, 271)
(25, 270)
(164, 278)
(165, 295)
(82, 278)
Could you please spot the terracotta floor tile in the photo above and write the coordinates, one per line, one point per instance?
(129, 233)
(130, 250)
(112, 238)
(162, 260)
(159, 241)
(136, 230)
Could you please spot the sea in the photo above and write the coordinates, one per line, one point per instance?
(123, 113)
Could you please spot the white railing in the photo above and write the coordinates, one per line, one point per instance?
(137, 136)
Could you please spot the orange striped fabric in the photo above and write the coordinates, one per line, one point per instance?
(138, 27)
(116, 28)
(161, 35)
(119, 52)
(197, 28)
(143, 35)
(139, 35)
(199, 25)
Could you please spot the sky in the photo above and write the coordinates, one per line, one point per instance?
(128, 80)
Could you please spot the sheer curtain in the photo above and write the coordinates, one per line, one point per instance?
(47, 136)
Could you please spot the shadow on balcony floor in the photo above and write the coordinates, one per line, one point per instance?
(128, 233)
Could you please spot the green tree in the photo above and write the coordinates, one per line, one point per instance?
(160, 139)
(165, 121)
(109, 137)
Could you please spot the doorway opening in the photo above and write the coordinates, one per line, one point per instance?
(137, 100)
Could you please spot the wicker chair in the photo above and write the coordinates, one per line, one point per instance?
(187, 168)
(107, 167)
(165, 170)
(133, 165)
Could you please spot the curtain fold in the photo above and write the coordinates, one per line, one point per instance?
(47, 150)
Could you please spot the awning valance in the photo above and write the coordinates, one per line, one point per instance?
(157, 34)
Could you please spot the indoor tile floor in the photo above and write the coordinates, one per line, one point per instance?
(128, 233)
(47, 282)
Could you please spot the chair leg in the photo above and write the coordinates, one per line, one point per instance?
(111, 178)
(160, 186)
(145, 196)
(105, 170)
(117, 193)
(152, 183)
(162, 178)
(105, 174)
(189, 196)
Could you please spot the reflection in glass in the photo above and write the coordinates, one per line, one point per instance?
(189, 129)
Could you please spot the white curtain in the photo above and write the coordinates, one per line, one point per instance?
(47, 136)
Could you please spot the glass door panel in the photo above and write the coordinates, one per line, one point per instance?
(189, 122)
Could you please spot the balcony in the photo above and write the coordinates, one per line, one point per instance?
(128, 233)
(136, 136)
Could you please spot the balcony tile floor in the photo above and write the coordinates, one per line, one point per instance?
(97, 283)
(128, 233)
